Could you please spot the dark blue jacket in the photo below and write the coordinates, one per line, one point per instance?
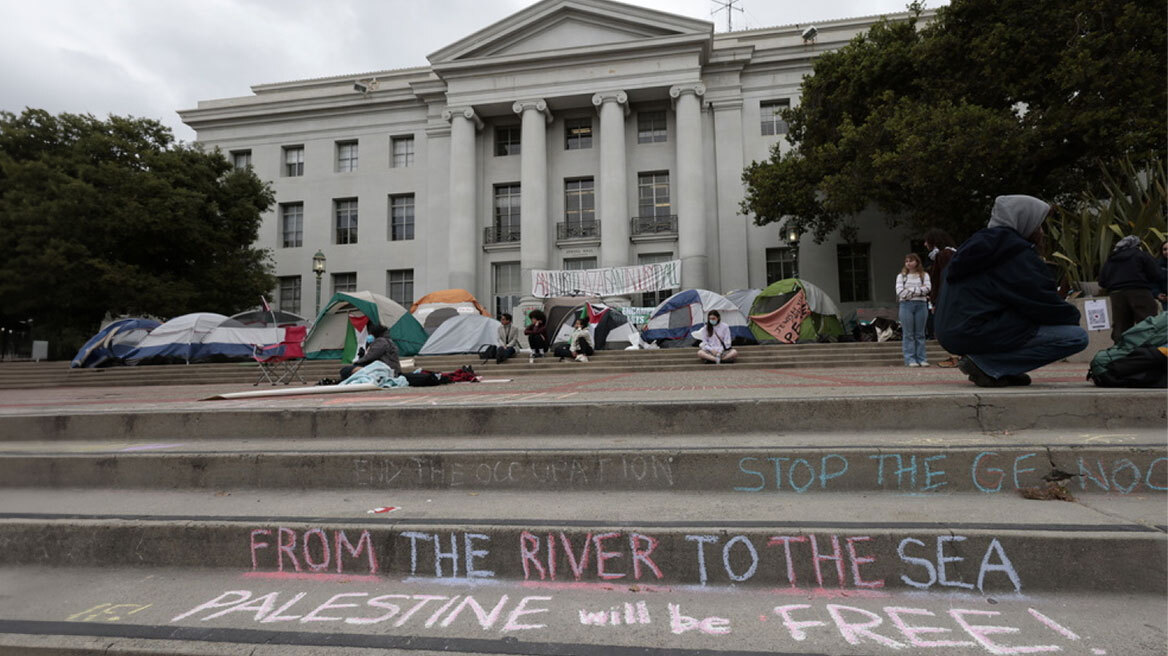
(997, 293)
(1130, 268)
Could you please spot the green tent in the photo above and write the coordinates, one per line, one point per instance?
(822, 321)
(333, 336)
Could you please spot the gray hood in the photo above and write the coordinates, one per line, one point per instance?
(1022, 213)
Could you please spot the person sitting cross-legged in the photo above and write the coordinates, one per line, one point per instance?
(999, 307)
(715, 340)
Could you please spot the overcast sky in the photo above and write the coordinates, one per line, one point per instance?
(152, 57)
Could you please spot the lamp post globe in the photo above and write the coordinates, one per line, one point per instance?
(318, 264)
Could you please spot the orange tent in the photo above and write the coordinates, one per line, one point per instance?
(434, 308)
(450, 297)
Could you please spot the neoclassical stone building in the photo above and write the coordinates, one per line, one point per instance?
(573, 134)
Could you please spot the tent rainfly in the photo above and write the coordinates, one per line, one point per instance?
(792, 310)
(465, 333)
(436, 307)
(113, 342)
(344, 321)
(684, 312)
(201, 337)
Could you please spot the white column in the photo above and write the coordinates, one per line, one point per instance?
(733, 254)
(533, 191)
(464, 232)
(690, 185)
(613, 206)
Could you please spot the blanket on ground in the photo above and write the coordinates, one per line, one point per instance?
(377, 373)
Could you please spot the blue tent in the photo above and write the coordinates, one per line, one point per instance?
(113, 342)
(684, 312)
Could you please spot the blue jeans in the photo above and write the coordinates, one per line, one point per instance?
(912, 327)
(1050, 344)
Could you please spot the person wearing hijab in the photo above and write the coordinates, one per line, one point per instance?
(1131, 278)
(380, 348)
(999, 308)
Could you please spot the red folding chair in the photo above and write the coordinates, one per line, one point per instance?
(280, 363)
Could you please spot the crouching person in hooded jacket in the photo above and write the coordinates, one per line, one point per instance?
(380, 347)
(999, 307)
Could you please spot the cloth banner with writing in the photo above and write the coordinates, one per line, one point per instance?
(610, 281)
(784, 323)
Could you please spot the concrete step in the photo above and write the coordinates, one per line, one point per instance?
(169, 612)
(51, 374)
(485, 412)
(997, 545)
(1131, 462)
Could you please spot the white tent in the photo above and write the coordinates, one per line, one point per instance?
(465, 333)
(684, 312)
(743, 298)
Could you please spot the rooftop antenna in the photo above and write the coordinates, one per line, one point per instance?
(729, 8)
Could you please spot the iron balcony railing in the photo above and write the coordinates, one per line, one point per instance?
(577, 230)
(500, 234)
(654, 225)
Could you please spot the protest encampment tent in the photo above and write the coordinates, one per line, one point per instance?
(175, 340)
(344, 321)
(113, 342)
(436, 307)
(465, 333)
(607, 326)
(231, 340)
(792, 310)
(684, 312)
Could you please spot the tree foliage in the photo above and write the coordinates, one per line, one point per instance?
(930, 123)
(113, 216)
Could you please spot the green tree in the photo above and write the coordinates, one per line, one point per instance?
(930, 123)
(113, 216)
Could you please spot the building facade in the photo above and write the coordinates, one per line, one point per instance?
(573, 134)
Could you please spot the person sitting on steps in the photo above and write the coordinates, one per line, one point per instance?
(508, 339)
(580, 342)
(380, 347)
(537, 333)
(715, 345)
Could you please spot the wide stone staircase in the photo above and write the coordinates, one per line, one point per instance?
(24, 375)
(863, 524)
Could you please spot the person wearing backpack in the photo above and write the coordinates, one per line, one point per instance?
(714, 340)
(1131, 279)
(999, 307)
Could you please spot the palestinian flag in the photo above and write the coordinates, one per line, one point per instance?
(355, 337)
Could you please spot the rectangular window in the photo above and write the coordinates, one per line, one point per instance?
(399, 285)
(578, 133)
(506, 213)
(346, 156)
(579, 263)
(401, 217)
(241, 159)
(346, 212)
(292, 225)
(855, 278)
(772, 121)
(651, 127)
(505, 286)
(653, 299)
(293, 161)
(289, 298)
(344, 282)
(780, 264)
(403, 151)
(507, 140)
(579, 203)
(653, 194)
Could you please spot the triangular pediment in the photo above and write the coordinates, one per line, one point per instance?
(562, 24)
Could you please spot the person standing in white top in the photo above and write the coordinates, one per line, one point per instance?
(912, 290)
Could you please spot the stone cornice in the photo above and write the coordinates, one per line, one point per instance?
(539, 105)
(466, 112)
(619, 97)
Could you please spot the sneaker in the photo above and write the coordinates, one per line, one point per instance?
(718, 360)
(979, 377)
(1017, 380)
(581, 358)
(923, 364)
(531, 359)
(948, 364)
(912, 364)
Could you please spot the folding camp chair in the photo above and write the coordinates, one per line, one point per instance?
(280, 363)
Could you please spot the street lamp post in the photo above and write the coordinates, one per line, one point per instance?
(793, 241)
(318, 262)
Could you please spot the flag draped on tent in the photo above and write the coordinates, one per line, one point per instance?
(784, 323)
(355, 337)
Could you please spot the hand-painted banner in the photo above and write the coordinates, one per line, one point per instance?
(607, 282)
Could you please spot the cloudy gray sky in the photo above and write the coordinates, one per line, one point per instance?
(152, 57)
